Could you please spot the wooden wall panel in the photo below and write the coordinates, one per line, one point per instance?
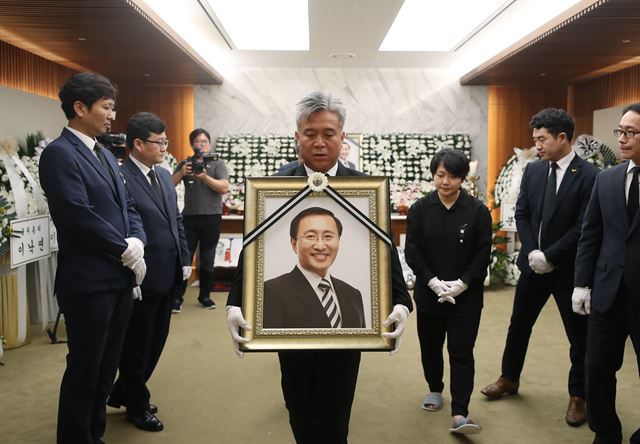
(615, 89)
(509, 110)
(174, 105)
(27, 72)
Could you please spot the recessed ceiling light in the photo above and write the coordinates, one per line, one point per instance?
(626, 41)
(82, 39)
(275, 25)
(342, 55)
(543, 74)
(146, 74)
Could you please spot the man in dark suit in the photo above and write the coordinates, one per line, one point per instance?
(167, 258)
(309, 296)
(319, 385)
(607, 279)
(101, 241)
(344, 156)
(554, 193)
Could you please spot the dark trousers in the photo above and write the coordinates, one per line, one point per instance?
(146, 336)
(318, 389)
(96, 325)
(532, 292)
(605, 352)
(203, 230)
(461, 332)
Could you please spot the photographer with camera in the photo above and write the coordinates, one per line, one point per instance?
(206, 179)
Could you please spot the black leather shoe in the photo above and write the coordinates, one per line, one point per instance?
(116, 404)
(147, 421)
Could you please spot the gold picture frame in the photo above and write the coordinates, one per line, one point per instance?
(363, 259)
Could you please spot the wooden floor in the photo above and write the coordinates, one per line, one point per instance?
(207, 395)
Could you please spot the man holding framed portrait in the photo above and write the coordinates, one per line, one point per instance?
(319, 384)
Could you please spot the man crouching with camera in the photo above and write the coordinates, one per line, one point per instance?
(205, 180)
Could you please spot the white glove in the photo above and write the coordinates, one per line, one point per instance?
(235, 320)
(438, 286)
(137, 293)
(581, 300)
(455, 288)
(140, 270)
(448, 299)
(133, 253)
(538, 262)
(186, 272)
(399, 317)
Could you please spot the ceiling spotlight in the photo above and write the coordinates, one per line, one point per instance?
(626, 41)
(146, 74)
(543, 74)
(82, 39)
(342, 55)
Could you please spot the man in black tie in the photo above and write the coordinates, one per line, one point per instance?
(168, 264)
(101, 253)
(553, 198)
(607, 279)
(319, 385)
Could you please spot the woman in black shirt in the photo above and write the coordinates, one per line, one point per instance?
(448, 248)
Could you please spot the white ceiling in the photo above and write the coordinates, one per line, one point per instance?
(343, 26)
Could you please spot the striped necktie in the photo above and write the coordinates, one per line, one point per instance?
(329, 304)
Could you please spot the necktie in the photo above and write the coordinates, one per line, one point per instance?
(634, 198)
(103, 160)
(547, 204)
(155, 186)
(329, 304)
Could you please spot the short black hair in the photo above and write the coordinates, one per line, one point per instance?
(313, 211)
(86, 87)
(554, 120)
(635, 107)
(454, 161)
(196, 132)
(141, 125)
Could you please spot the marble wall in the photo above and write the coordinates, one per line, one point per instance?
(262, 101)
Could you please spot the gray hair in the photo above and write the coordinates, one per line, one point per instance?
(320, 101)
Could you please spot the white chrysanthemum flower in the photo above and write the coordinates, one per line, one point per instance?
(318, 181)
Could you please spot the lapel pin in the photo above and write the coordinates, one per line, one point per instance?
(573, 170)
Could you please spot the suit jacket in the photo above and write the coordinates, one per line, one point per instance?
(291, 302)
(399, 293)
(93, 215)
(565, 223)
(609, 248)
(166, 250)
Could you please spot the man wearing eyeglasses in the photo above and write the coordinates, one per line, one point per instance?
(168, 264)
(205, 184)
(607, 282)
(310, 296)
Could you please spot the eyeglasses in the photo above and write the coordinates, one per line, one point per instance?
(201, 142)
(314, 238)
(627, 133)
(164, 142)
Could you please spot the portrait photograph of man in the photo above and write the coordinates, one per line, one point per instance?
(319, 282)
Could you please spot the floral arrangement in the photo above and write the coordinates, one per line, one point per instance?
(403, 196)
(6, 216)
(255, 156)
(405, 158)
(170, 163)
(233, 200)
(11, 147)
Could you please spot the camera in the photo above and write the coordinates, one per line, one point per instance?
(114, 142)
(199, 160)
